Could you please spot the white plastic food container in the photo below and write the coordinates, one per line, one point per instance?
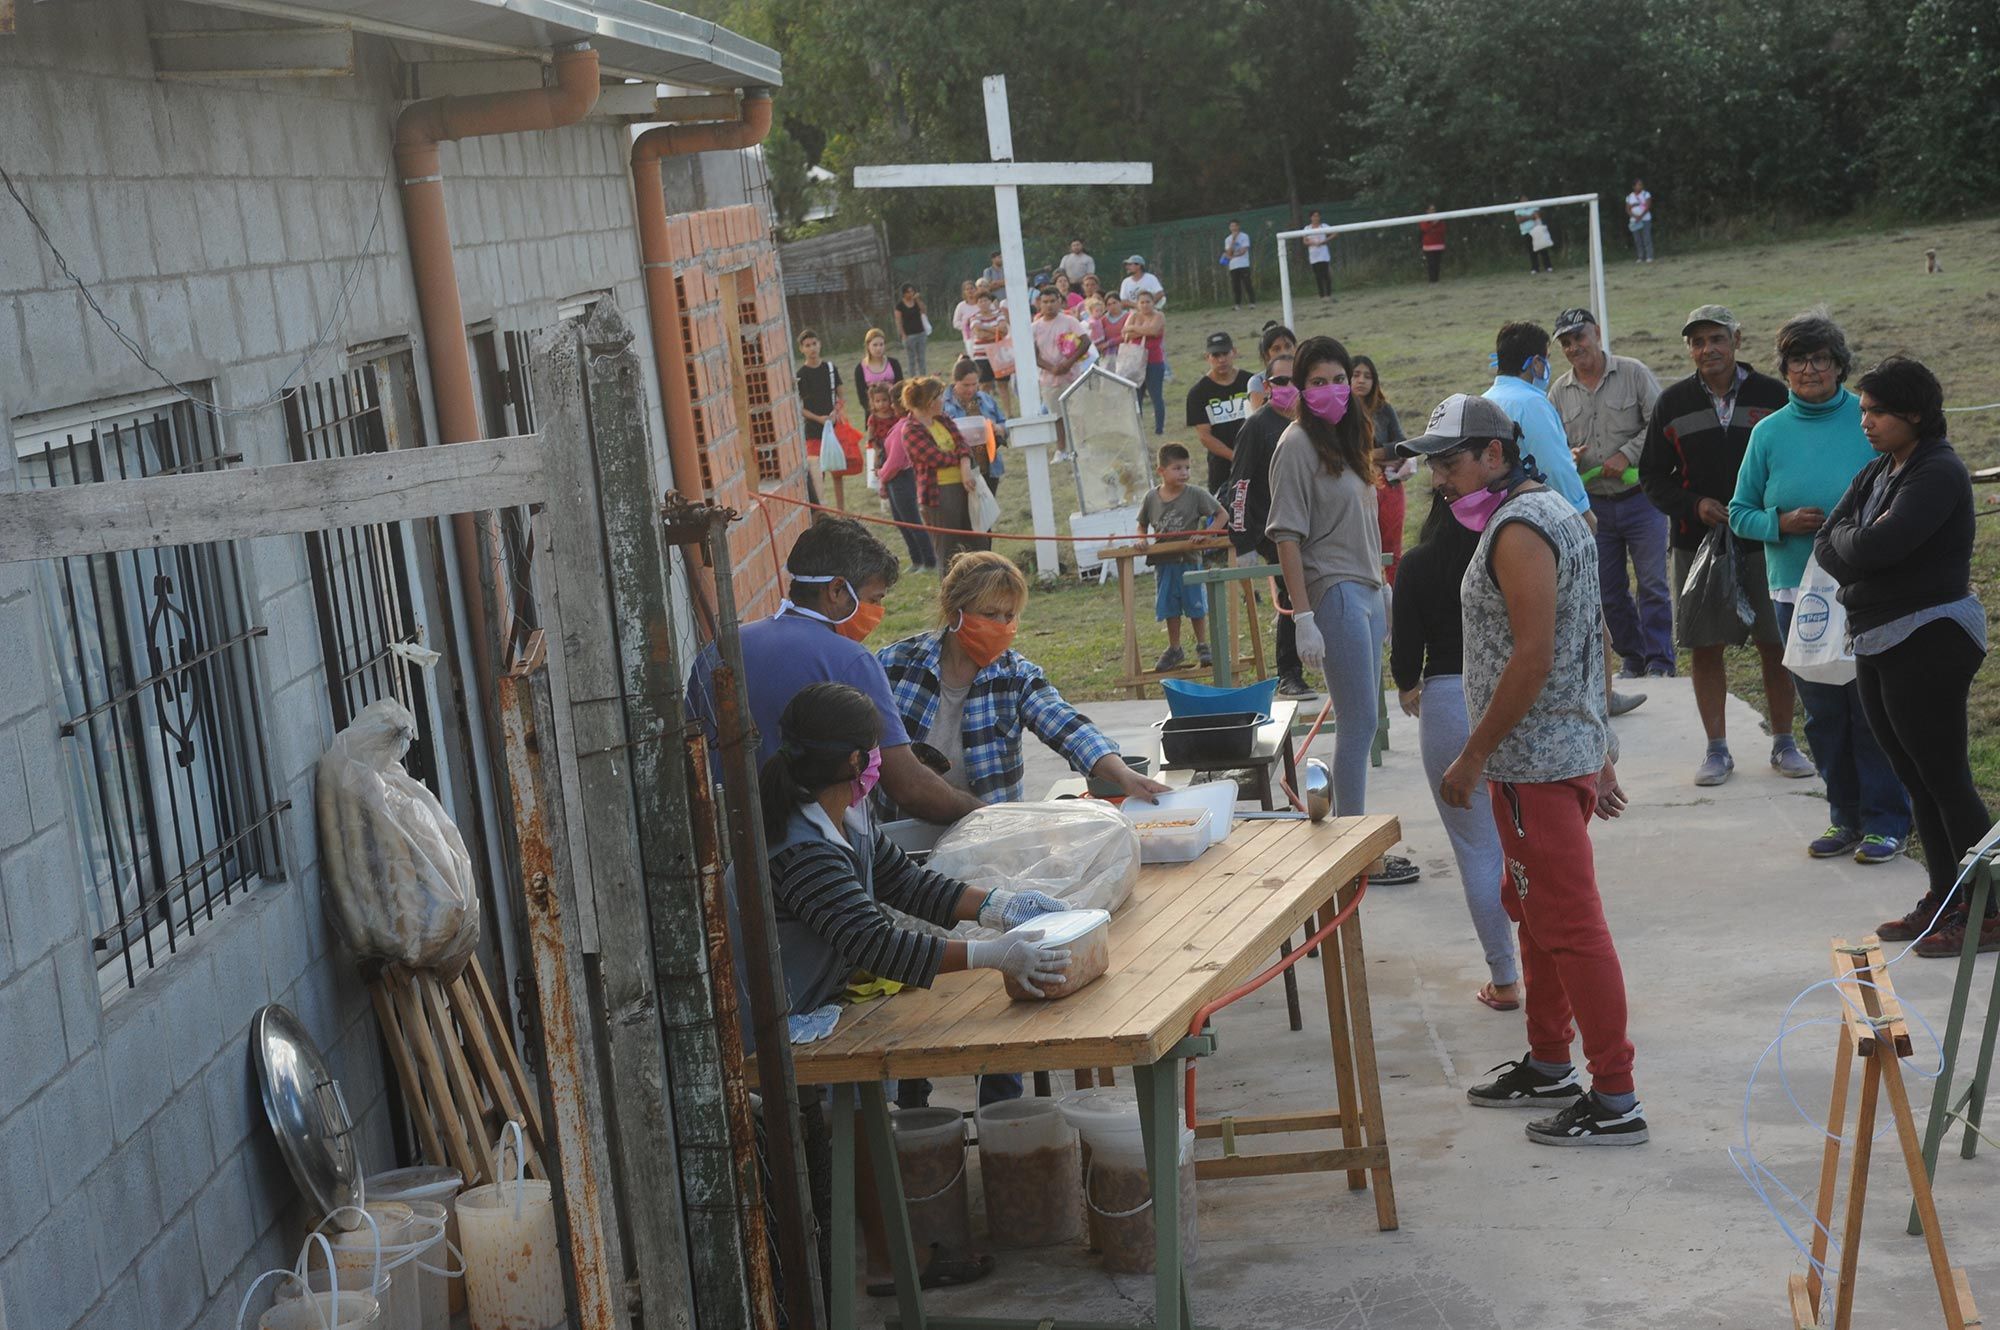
(1171, 835)
(1217, 796)
(1087, 934)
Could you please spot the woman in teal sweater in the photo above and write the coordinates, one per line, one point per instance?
(1800, 460)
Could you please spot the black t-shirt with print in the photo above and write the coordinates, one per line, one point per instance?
(1222, 407)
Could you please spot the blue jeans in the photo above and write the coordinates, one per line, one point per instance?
(1642, 241)
(1442, 729)
(1861, 787)
(1156, 384)
(1353, 621)
(902, 491)
(1642, 634)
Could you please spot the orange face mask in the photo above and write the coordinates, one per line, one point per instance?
(856, 626)
(984, 639)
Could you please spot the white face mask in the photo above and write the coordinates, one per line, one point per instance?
(789, 607)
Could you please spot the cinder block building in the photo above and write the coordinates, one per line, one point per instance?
(210, 258)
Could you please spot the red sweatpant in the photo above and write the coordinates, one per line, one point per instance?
(1390, 505)
(1567, 959)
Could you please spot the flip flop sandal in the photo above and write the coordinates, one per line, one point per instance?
(942, 1272)
(1486, 999)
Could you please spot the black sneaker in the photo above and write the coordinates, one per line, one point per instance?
(1521, 1086)
(1589, 1122)
(1396, 872)
(1293, 687)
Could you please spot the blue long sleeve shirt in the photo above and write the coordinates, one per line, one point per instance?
(1803, 455)
(1542, 435)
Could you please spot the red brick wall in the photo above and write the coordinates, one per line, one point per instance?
(763, 452)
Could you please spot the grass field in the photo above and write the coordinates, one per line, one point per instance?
(1431, 341)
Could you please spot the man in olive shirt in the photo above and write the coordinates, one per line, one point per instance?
(1606, 402)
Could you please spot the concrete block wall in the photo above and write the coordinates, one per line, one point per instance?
(764, 453)
(225, 225)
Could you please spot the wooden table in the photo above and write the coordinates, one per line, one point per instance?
(1137, 678)
(1191, 933)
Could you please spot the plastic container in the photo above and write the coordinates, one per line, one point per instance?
(1087, 934)
(1185, 697)
(1217, 796)
(1031, 1172)
(1171, 835)
(930, 1154)
(1118, 1193)
(513, 1269)
(323, 1311)
(1215, 740)
(419, 1186)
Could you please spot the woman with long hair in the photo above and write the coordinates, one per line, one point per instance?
(876, 364)
(1323, 521)
(1390, 472)
(1899, 542)
(946, 471)
(1426, 657)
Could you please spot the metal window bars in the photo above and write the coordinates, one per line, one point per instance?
(362, 589)
(165, 758)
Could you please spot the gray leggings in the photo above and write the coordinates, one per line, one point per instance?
(1353, 621)
(1442, 727)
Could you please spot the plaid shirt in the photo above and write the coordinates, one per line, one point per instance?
(1006, 696)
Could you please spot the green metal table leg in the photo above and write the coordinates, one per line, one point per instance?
(1954, 1027)
(840, 1309)
(895, 1211)
(1973, 1105)
(1222, 648)
(1159, 1090)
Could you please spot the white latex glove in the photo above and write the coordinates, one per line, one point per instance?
(1022, 957)
(1312, 647)
(1004, 909)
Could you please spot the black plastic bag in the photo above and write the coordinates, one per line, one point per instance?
(1714, 609)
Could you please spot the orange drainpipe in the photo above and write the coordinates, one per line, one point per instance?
(419, 129)
(663, 302)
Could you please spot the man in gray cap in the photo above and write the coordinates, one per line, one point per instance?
(1605, 402)
(1137, 279)
(1540, 751)
(1694, 447)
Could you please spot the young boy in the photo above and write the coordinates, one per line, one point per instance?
(820, 401)
(1175, 505)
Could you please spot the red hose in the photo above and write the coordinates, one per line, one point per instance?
(1305, 748)
(1283, 964)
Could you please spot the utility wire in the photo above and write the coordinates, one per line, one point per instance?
(290, 383)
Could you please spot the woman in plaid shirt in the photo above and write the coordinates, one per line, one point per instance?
(963, 690)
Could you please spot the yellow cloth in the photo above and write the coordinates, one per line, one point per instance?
(950, 475)
(865, 987)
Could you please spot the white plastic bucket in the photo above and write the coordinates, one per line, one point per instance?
(1030, 1173)
(323, 1311)
(427, 1182)
(331, 1305)
(930, 1156)
(1116, 1190)
(434, 1266)
(513, 1270)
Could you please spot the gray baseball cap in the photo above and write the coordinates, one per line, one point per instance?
(1718, 314)
(1458, 418)
(1139, 259)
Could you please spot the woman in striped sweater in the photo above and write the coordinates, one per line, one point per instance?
(831, 874)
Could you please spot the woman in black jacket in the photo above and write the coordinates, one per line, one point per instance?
(1900, 545)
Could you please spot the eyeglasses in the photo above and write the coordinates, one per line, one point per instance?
(1278, 380)
(1819, 362)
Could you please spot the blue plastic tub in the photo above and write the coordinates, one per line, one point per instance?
(1187, 698)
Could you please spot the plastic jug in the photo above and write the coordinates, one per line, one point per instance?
(1030, 1172)
(513, 1270)
(427, 1182)
(930, 1154)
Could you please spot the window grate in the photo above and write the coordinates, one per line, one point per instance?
(165, 762)
(517, 532)
(362, 587)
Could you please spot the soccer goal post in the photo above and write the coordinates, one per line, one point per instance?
(1382, 224)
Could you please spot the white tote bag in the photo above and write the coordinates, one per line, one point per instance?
(1816, 647)
(985, 508)
(1541, 238)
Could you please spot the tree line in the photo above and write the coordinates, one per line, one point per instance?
(1762, 113)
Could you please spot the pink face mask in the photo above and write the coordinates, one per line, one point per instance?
(1476, 509)
(870, 773)
(1284, 396)
(1328, 401)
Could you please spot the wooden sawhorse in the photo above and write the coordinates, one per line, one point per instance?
(1222, 642)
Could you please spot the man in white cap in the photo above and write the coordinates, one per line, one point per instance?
(1137, 279)
(1540, 752)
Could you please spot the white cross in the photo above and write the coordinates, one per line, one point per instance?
(1035, 430)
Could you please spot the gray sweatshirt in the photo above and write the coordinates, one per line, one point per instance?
(1332, 518)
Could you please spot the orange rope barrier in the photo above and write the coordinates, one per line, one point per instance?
(984, 535)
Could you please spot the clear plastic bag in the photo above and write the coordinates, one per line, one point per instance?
(396, 876)
(1085, 854)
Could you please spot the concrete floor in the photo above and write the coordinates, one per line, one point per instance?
(1720, 919)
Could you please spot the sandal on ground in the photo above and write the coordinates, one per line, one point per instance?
(1486, 998)
(942, 1272)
